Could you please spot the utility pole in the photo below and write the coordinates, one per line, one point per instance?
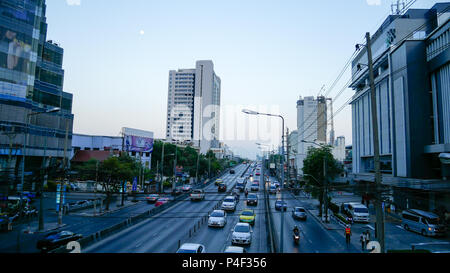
(162, 168)
(376, 150)
(325, 183)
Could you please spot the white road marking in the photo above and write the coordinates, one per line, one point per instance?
(369, 226)
(400, 227)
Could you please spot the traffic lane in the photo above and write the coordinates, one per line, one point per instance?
(217, 239)
(167, 226)
(313, 237)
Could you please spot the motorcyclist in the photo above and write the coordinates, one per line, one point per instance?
(296, 230)
(246, 192)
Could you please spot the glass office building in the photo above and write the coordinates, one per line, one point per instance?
(31, 83)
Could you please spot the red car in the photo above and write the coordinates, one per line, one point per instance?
(161, 201)
(258, 174)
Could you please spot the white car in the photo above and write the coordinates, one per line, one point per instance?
(191, 248)
(234, 249)
(218, 218)
(242, 234)
(229, 203)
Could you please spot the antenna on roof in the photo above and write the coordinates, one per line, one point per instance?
(398, 10)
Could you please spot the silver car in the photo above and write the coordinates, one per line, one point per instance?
(299, 213)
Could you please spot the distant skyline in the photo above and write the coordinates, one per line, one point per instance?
(117, 56)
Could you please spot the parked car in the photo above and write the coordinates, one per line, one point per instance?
(252, 199)
(222, 187)
(162, 201)
(247, 216)
(359, 212)
(197, 195)
(56, 239)
(280, 205)
(423, 222)
(192, 248)
(299, 213)
(152, 198)
(241, 234)
(234, 249)
(217, 218)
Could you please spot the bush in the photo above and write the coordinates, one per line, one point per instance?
(342, 218)
(333, 207)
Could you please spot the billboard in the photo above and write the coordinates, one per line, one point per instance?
(138, 144)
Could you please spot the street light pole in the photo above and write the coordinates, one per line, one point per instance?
(250, 112)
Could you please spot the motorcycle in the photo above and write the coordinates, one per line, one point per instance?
(296, 237)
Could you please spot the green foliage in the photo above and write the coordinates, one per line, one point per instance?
(342, 218)
(313, 166)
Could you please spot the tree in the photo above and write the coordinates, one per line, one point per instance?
(313, 168)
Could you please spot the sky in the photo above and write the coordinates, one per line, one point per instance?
(118, 53)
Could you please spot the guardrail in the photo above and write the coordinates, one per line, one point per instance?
(271, 238)
(94, 237)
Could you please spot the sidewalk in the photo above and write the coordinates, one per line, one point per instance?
(113, 207)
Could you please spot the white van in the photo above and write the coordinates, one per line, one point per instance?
(423, 222)
(359, 212)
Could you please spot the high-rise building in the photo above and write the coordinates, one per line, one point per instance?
(311, 125)
(31, 83)
(411, 67)
(193, 106)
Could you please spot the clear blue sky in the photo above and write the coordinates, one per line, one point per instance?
(117, 54)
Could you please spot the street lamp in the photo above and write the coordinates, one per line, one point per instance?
(41, 215)
(251, 112)
(325, 182)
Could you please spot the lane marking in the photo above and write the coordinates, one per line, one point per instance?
(369, 226)
(400, 227)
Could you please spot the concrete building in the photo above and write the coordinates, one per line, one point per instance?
(292, 148)
(411, 68)
(311, 125)
(193, 107)
(137, 143)
(31, 82)
(339, 152)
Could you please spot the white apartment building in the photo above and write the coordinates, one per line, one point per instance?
(193, 106)
(311, 125)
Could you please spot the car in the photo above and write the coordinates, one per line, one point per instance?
(280, 205)
(222, 187)
(247, 216)
(162, 201)
(186, 188)
(241, 234)
(254, 187)
(56, 239)
(273, 189)
(232, 171)
(252, 199)
(152, 198)
(218, 181)
(192, 248)
(177, 191)
(257, 174)
(217, 218)
(197, 194)
(299, 213)
(229, 203)
(234, 249)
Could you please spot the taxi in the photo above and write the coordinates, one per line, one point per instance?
(247, 216)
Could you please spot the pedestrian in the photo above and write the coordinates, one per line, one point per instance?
(362, 239)
(367, 236)
(348, 234)
(246, 193)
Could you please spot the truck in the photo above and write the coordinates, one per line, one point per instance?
(197, 195)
